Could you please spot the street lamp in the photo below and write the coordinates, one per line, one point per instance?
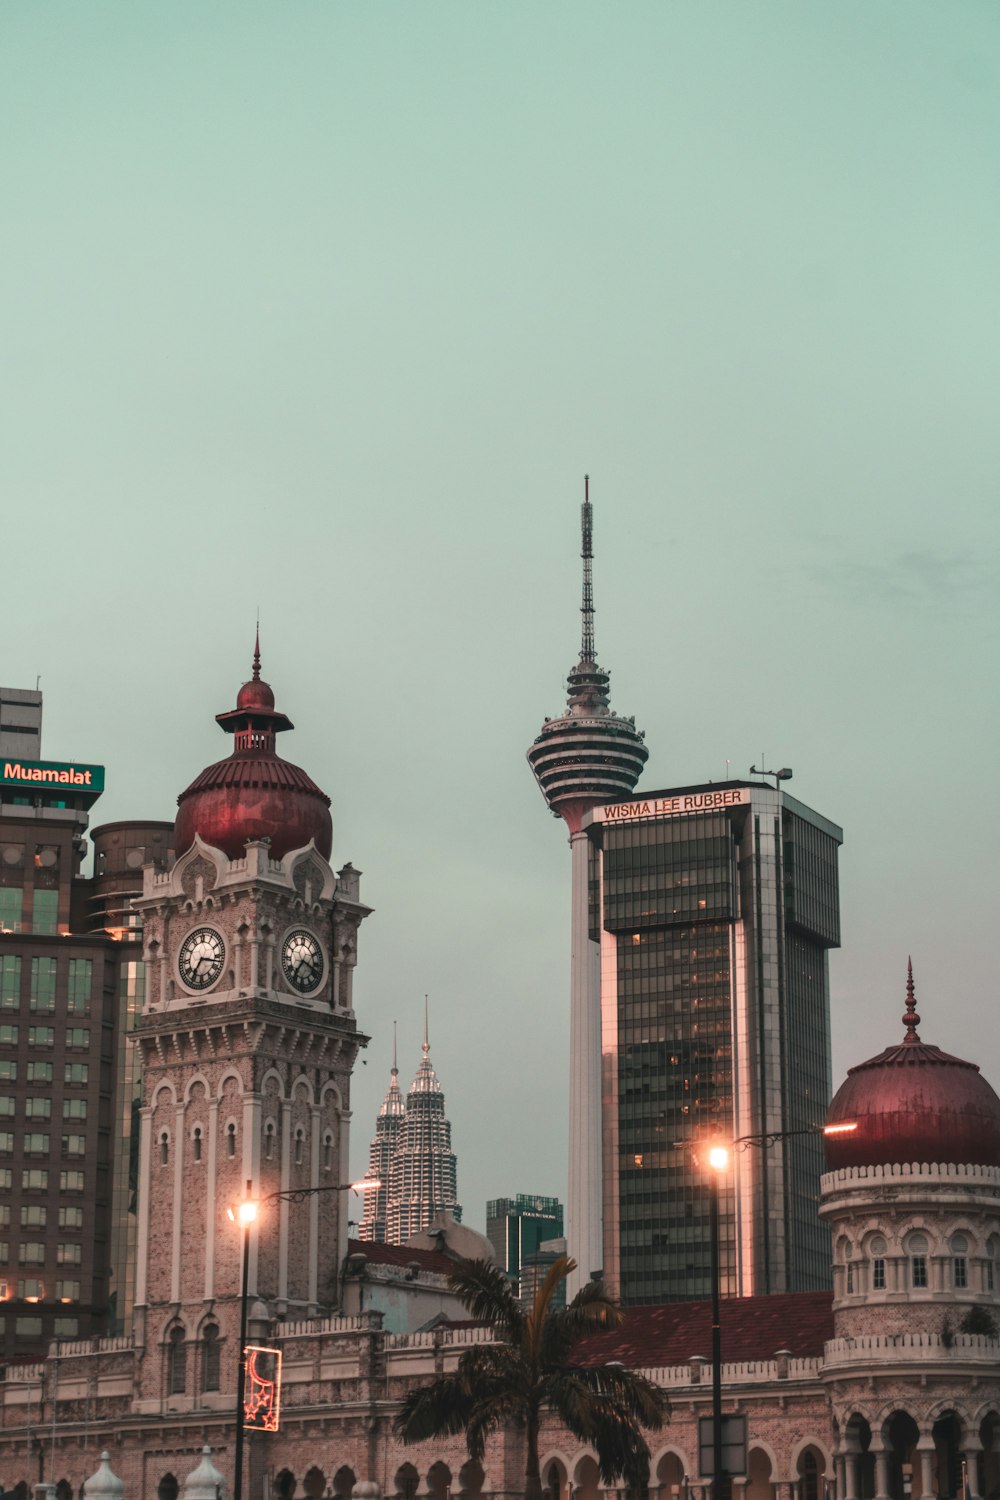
(245, 1213)
(718, 1160)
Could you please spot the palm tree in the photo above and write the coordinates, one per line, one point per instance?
(528, 1369)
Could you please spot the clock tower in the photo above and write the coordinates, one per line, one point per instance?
(248, 1039)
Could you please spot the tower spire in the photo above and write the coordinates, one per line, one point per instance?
(427, 1044)
(256, 654)
(394, 1070)
(587, 649)
(910, 1018)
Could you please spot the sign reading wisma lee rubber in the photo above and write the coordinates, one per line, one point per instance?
(34, 774)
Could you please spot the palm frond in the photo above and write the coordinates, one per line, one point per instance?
(539, 1313)
(591, 1310)
(489, 1296)
(440, 1409)
(499, 1410)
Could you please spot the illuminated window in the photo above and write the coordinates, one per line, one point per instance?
(8, 1070)
(68, 1291)
(69, 1254)
(9, 1036)
(78, 1036)
(36, 1143)
(37, 1109)
(71, 1182)
(33, 1215)
(41, 1036)
(35, 1179)
(39, 1072)
(31, 1287)
(31, 1253)
(71, 1218)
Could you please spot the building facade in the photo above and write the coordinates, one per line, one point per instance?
(885, 1388)
(66, 971)
(517, 1228)
(423, 1168)
(713, 909)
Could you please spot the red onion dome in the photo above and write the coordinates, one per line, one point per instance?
(254, 794)
(914, 1103)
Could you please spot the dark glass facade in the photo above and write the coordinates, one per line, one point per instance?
(714, 928)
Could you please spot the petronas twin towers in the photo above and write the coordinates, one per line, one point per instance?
(411, 1157)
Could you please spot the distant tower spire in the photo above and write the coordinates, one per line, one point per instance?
(427, 1042)
(587, 649)
(589, 755)
(256, 655)
(910, 1018)
(394, 1070)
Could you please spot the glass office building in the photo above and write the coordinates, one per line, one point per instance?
(714, 908)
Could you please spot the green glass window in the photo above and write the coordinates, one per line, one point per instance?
(43, 984)
(10, 980)
(81, 972)
(45, 912)
(11, 905)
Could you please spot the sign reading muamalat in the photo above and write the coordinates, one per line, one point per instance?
(672, 807)
(34, 775)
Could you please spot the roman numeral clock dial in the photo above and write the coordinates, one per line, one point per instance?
(302, 961)
(201, 959)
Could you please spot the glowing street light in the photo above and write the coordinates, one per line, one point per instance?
(245, 1214)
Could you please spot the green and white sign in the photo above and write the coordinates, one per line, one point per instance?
(30, 774)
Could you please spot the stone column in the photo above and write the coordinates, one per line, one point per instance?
(850, 1462)
(923, 1469)
(970, 1453)
(881, 1473)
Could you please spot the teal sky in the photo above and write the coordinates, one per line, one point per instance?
(328, 308)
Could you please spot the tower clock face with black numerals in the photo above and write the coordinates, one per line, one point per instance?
(201, 958)
(302, 961)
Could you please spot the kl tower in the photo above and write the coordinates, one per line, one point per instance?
(587, 757)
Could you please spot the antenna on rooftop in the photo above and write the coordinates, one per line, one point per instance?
(587, 553)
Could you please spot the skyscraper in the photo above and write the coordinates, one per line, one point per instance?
(713, 908)
(383, 1148)
(586, 757)
(422, 1167)
(517, 1227)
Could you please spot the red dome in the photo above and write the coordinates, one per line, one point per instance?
(254, 797)
(914, 1103)
(255, 694)
(254, 794)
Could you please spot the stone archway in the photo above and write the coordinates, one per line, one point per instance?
(900, 1434)
(470, 1479)
(947, 1434)
(167, 1488)
(811, 1470)
(587, 1480)
(439, 1481)
(989, 1436)
(314, 1483)
(555, 1480)
(760, 1474)
(668, 1480)
(284, 1485)
(857, 1444)
(343, 1483)
(407, 1482)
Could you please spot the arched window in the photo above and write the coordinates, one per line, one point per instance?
(989, 1277)
(164, 1149)
(210, 1358)
(959, 1261)
(231, 1139)
(810, 1476)
(197, 1142)
(269, 1141)
(877, 1249)
(176, 1363)
(328, 1151)
(300, 1145)
(916, 1247)
(167, 1489)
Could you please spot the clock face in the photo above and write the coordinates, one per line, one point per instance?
(202, 956)
(302, 961)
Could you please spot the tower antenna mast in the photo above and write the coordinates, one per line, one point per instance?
(587, 553)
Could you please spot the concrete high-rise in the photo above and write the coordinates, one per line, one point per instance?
(423, 1170)
(584, 758)
(713, 908)
(517, 1228)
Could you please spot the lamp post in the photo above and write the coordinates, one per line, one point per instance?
(245, 1213)
(718, 1160)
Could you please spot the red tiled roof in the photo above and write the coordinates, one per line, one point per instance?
(401, 1255)
(753, 1328)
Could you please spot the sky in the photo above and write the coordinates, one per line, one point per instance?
(325, 310)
